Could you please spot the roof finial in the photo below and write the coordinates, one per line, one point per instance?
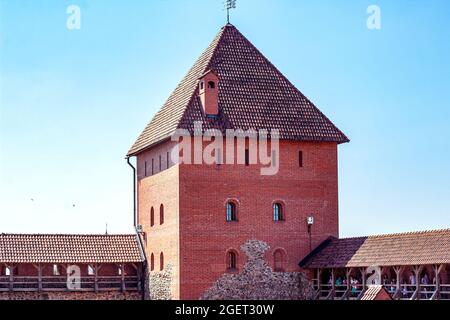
(229, 4)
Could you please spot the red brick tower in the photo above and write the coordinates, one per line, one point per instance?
(196, 216)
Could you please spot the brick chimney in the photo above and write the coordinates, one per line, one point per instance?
(209, 93)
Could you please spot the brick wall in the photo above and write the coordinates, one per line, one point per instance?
(161, 188)
(195, 236)
(205, 236)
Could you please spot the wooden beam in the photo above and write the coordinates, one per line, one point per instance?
(96, 268)
(319, 285)
(333, 285)
(363, 270)
(139, 275)
(11, 277)
(417, 270)
(122, 267)
(398, 271)
(39, 277)
(437, 285)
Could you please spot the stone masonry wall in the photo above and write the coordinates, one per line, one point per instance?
(258, 282)
(160, 284)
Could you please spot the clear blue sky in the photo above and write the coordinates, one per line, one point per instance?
(72, 102)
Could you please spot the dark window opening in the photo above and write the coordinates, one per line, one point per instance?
(160, 167)
(161, 214)
(278, 261)
(152, 262)
(161, 261)
(232, 261)
(247, 157)
(278, 214)
(202, 85)
(145, 169)
(211, 85)
(300, 159)
(152, 217)
(153, 166)
(231, 212)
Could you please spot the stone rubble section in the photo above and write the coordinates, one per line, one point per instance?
(257, 281)
(160, 283)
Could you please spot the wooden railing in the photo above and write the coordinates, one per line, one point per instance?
(407, 291)
(59, 283)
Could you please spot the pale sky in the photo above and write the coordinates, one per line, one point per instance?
(73, 101)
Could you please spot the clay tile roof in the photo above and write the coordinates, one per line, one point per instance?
(40, 248)
(253, 94)
(413, 248)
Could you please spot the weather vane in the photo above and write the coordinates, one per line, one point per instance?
(229, 4)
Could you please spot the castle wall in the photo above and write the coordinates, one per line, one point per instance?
(205, 236)
(154, 190)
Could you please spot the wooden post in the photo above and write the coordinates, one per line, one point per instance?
(122, 268)
(417, 270)
(333, 285)
(348, 291)
(398, 272)
(319, 285)
(138, 274)
(11, 277)
(363, 280)
(437, 287)
(96, 277)
(39, 277)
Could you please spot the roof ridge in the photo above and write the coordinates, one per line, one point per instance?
(398, 234)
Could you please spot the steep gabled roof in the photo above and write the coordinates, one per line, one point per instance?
(55, 248)
(402, 249)
(253, 94)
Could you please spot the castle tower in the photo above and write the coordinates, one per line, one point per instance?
(196, 216)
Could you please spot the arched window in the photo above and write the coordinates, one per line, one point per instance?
(231, 212)
(211, 85)
(278, 214)
(161, 261)
(152, 262)
(152, 217)
(231, 260)
(279, 258)
(161, 214)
